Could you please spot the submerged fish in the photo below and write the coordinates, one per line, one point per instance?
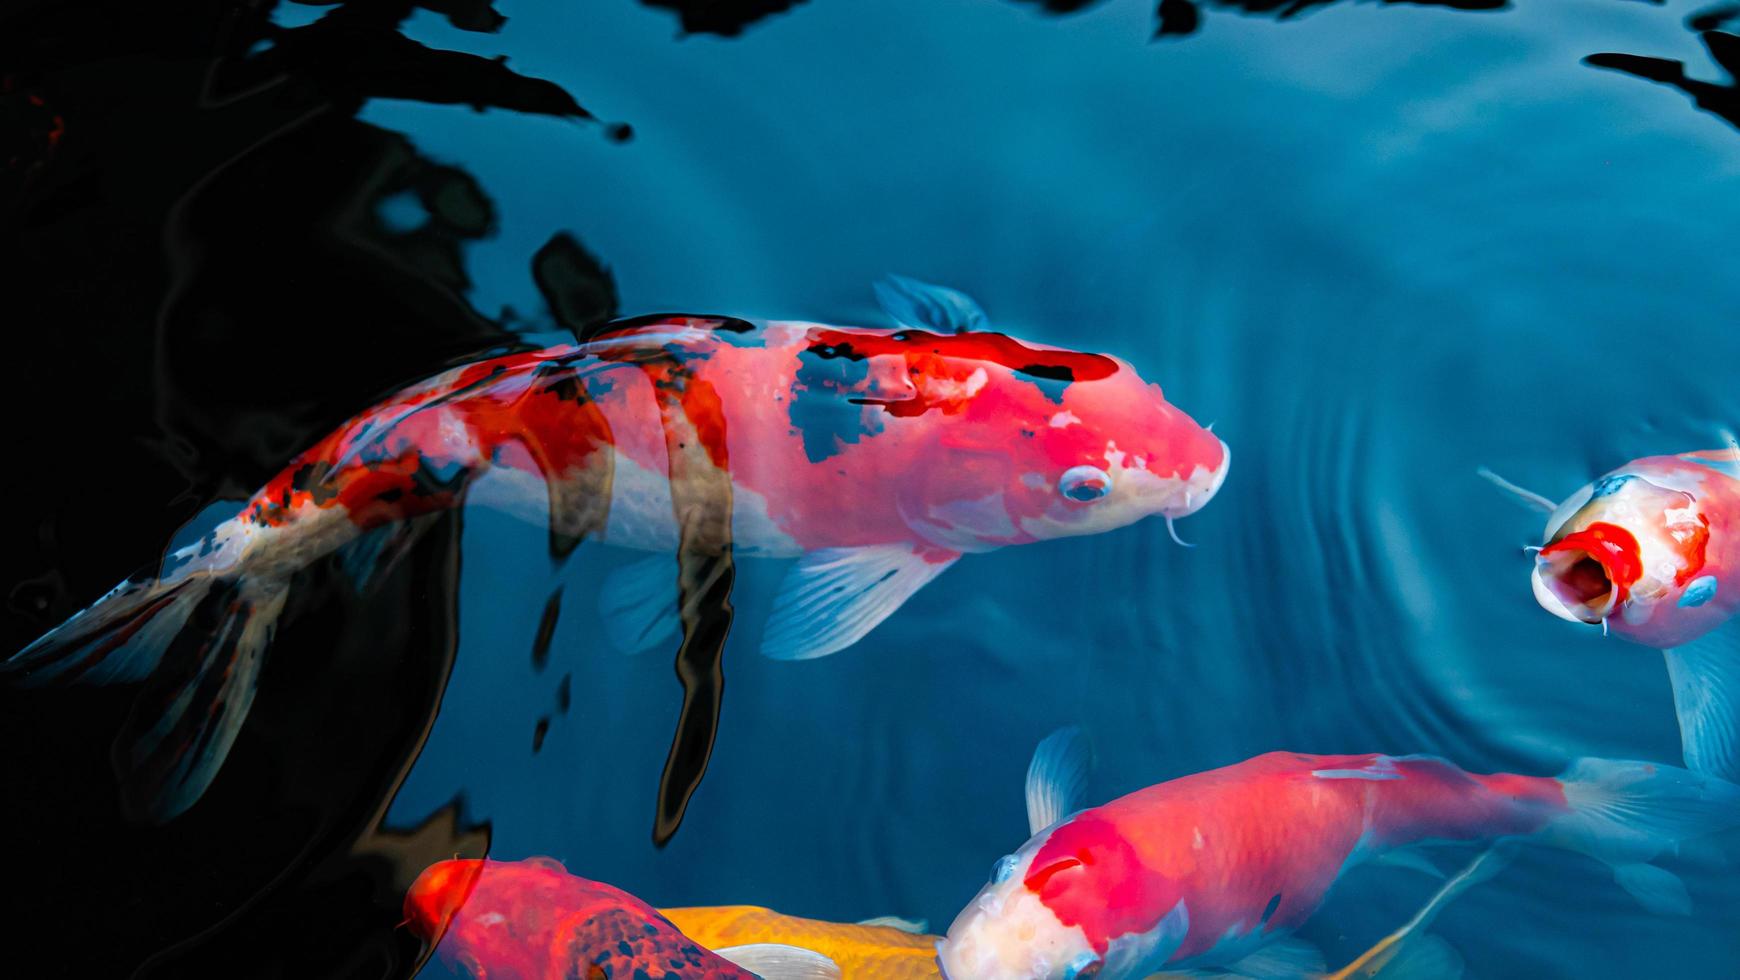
(1210, 870)
(532, 920)
(877, 949)
(1651, 553)
(874, 457)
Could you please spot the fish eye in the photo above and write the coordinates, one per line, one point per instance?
(1003, 869)
(1084, 483)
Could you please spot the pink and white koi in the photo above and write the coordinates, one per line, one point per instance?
(1204, 871)
(1650, 552)
(874, 457)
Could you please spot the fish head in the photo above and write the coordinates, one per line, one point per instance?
(1039, 458)
(1633, 550)
(479, 911)
(435, 898)
(1009, 933)
(1111, 451)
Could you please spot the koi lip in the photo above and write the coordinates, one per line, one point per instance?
(1196, 493)
(1591, 571)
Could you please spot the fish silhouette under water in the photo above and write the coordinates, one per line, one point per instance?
(874, 457)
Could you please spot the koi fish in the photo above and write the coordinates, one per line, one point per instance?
(1651, 553)
(876, 949)
(874, 457)
(532, 920)
(1217, 869)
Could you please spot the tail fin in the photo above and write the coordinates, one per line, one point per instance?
(117, 639)
(217, 627)
(1625, 813)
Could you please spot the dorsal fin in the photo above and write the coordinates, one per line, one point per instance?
(912, 303)
(663, 322)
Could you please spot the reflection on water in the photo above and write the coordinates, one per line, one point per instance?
(1378, 247)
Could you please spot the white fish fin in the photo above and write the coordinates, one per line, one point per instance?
(917, 927)
(1528, 498)
(1284, 959)
(1656, 889)
(1412, 860)
(1057, 778)
(1410, 953)
(773, 961)
(638, 604)
(181, 731)
(912, 303)
(832, 597)
(1382, 767)
(374, 554)
(118, 639)
(1134, 954)
(1706, 679)
(1625, 813)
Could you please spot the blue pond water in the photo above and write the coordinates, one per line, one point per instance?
(1378, 247)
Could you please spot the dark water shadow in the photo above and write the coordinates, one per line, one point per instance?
(218, 271)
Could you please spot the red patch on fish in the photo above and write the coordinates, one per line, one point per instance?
(1610, 545)
(532, 919)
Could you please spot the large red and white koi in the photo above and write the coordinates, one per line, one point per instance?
(1204, 871)
(874, 457)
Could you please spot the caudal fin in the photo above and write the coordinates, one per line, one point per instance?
(1626, 813)
(200, 638)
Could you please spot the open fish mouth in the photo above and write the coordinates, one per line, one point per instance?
(1589, 572)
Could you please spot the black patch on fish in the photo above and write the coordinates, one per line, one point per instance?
(538, 733)
(819, 409)
(546, 630)
(564, 693)
(438, 477)
(568, 388)
(313, 479)
(1051, 379)
(844, 349)
(1269, 910)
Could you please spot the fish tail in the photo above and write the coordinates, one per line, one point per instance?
(1626, 813)
(118, 639)
(184, 723)
(196, 636)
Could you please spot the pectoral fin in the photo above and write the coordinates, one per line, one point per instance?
(1706, 681)
(638, 604)
(915, 926)
(1286, 959)
(833, 597)
(773, 961)
(1057, 778)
